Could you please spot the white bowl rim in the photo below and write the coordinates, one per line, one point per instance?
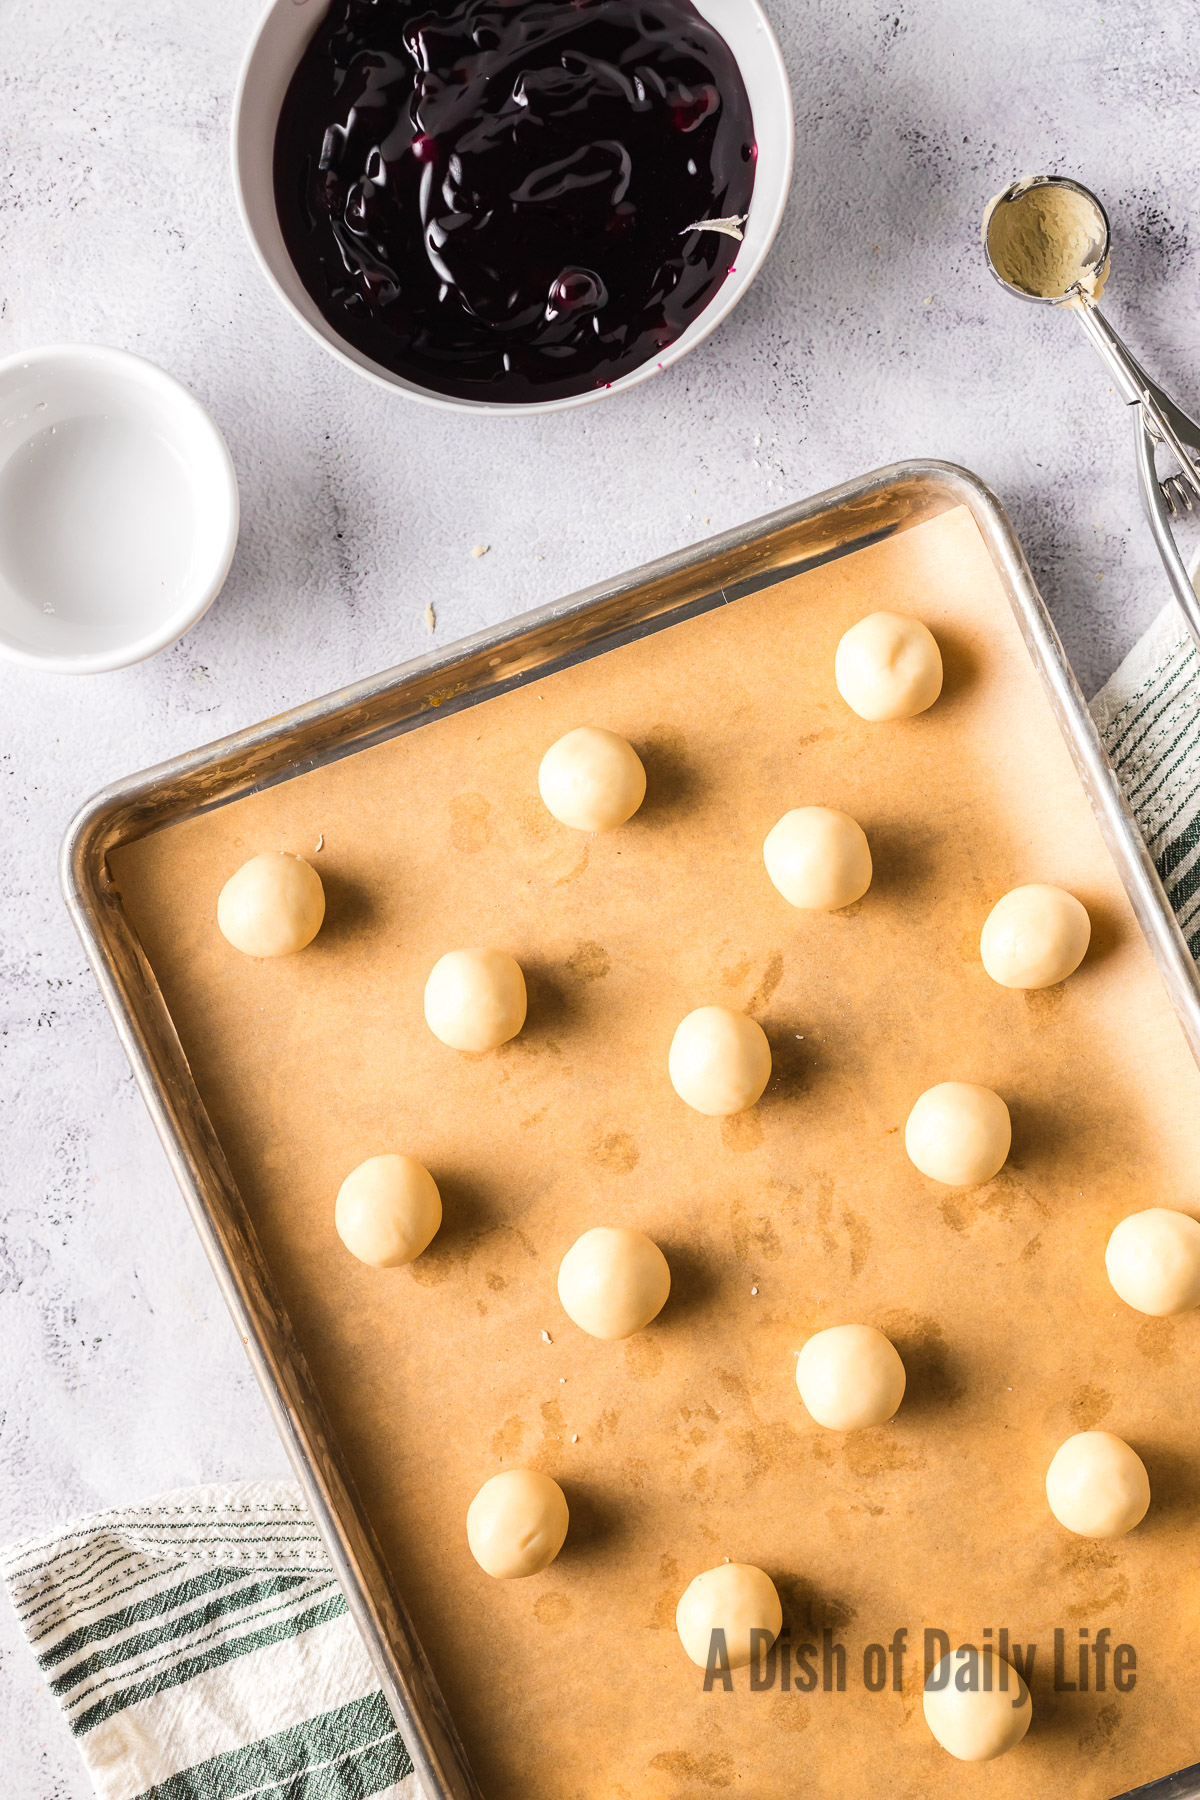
(726, 298)
(123, 367)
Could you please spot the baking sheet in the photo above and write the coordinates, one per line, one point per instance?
(689, 1443)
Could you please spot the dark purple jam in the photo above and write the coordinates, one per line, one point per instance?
(492, 197)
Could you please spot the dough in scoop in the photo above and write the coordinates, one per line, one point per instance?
(849, 1377)
(818, 858)
(388, 1210)
(973, 1725)
(888, 666)
(720, 1061)
(613, 1281)
(1153, 1261)
(517, 1524)
(735, 1598)
(592, 780)
(475, 999)
(273, 906)
(1034, 937)
(1097, 1486)
(959, 1134)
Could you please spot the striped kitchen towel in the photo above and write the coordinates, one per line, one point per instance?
(1148, 717)
(201, 1649)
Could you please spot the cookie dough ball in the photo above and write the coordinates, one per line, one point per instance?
(959, 1133)
(1035, 937)
(850, 1377)
(970, 1724)
(273, 906)
(1097, 1486)
(388, 1210)
(720, 1061)
(735, 1598)
(592, 780)
(613, 1281)
(888, 666)
(475, 999)
(819, 859)
(517, 1524)
(1153, 1261)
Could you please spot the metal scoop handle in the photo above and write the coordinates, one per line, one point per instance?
(1157, 421)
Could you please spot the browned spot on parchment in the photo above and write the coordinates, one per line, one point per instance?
(1043, 1001)
(616, 1150)
(1098, 1584)
(1155, 1339)
(755, 1239)
(764, 1446)
(553, 1424)
(507, 1441)
(714, 1769)
(772, 975)
(431, 1271)
(533, 820)
(553, 1608)
(858, 1234)
(871, 1453)
(741, 1131)
(1108, 1599)
(735, 973)
(1100, 1731)
(643, 1357)
(576, 870)
(957, 1212)
(1087, 1406)
(469, 826)
(588, 961)
(789, 1712)
(667, 1599)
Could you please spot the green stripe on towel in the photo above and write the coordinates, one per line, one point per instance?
(225, 1650)
(361, 1733)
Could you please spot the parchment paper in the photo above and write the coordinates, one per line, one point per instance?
(688, 1443)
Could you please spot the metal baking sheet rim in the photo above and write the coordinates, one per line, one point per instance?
(885, 501)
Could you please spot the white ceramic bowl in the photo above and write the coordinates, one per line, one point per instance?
(268, 69)
(118, 509)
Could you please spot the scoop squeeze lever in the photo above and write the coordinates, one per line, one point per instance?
(1046, 240)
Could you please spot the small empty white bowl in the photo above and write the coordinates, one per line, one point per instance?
(281, 40)
(118, 509)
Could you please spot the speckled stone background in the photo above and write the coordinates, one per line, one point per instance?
(873, 334)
